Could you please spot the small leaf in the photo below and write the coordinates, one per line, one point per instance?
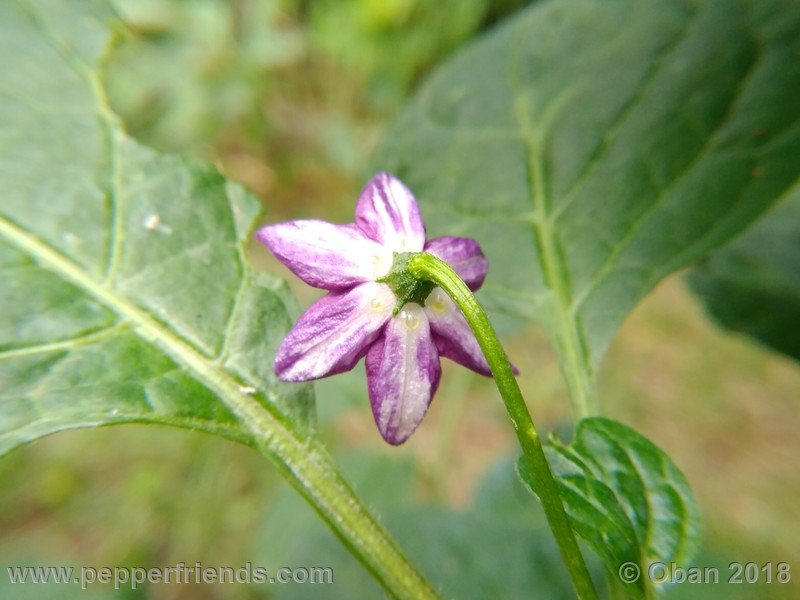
(595, 147)
(125, 296)
(752, 285)
(624, 497)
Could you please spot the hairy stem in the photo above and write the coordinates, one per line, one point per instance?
(312, 472)
(427, 267)
(303, 462)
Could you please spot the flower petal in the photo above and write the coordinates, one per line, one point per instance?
(464, 255)
(325, 255)
(451, 333)
(333, 334)
(388, 213)
(403, 373)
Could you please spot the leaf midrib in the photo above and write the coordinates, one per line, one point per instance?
(150, 329)
(301, 460)
(570, 338)
(569, 333)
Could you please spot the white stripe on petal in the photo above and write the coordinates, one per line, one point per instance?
(388, 213)
(334, 333)
(403, 373)
(326, 255)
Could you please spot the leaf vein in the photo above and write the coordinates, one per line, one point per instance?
(66, 344)
(659, 60)
(181, 351)
(662, 197)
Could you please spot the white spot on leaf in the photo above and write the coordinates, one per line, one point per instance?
(152, 222)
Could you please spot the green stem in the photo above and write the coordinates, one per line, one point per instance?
(314, 474)
(427, 267)
(303, 462)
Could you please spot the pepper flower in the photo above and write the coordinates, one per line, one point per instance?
(402, 330)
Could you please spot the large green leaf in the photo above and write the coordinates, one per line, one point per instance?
(603, 145)
(624, 497)
(753, 284)
(125, 294)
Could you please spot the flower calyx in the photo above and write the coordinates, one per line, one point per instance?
(405, 286)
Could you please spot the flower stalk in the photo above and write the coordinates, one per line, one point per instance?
(426, 267)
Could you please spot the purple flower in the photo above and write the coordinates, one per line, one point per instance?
(355, 318)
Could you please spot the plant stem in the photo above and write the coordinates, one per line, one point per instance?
(427, 267)
(301, 460)
(312, 472)
(305, 464)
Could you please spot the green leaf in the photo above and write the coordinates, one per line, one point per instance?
(624, 497)
(187, 73)
(603, 145)
(125, 296)
(752, 285)
(465, 552)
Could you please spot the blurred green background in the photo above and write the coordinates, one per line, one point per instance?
(290, 97)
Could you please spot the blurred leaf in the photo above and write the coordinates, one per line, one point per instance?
(753, 284)
(492, 551)
(390, 43)
(125, 297)
(344, 392)
(190, 71)
(624, 496)
(502, 493)
(603, 145)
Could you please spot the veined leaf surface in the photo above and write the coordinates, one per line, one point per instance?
(752, 285)
(125, 294)
(625, 498)
(595, 147)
